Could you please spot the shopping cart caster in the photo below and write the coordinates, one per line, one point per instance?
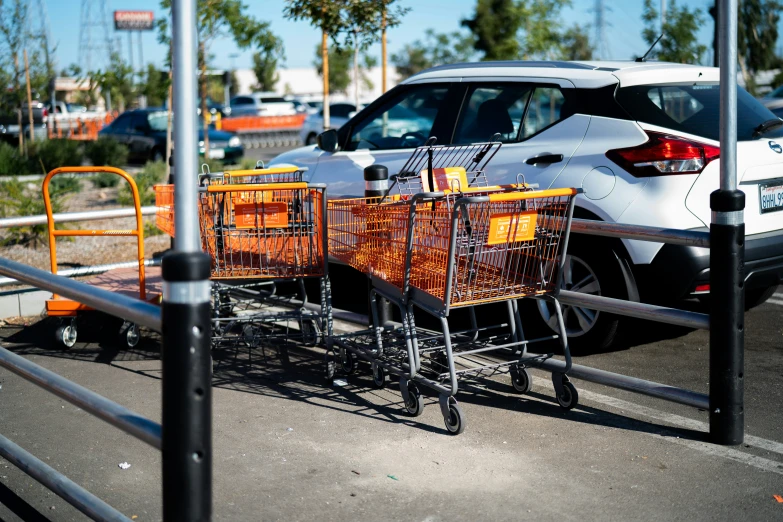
(378, 376)
(521, 379)
(66, 333)
(565, 392)
(452, 415)
(311, 334)
(348, 363)
(129, 334)
(411, 398)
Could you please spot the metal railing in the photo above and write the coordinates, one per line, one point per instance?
(66, 217)
(185, 436)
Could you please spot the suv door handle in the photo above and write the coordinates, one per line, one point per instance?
(545, 158)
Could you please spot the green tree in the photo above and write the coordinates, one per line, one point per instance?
(435, 49)
(116, 81)
(679, 43)
(575, 45)
(155, 86)
(218, 19)
(495, 25)
(339, 68)
(757, 34)
(265, 69)
(541, 28)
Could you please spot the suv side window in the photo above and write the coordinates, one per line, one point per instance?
(121, 124)
(490, 110)
(405, 121)
(340, 110)
(138, 122)
(545, 109)
(242, 100)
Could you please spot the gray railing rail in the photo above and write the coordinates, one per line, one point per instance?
(697, 238)
(68, 217)
(88, 270)
(139, 312)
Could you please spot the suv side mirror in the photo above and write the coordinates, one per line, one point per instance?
(327, 141)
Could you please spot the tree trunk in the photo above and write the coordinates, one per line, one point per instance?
(383, 51)
(203, 85)
(29, 98)
(749, 85)
(356, 70)
(325, 61)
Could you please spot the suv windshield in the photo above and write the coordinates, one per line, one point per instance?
(693, 108)
(158, 120)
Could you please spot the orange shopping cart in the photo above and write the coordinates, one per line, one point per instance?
(142, 282)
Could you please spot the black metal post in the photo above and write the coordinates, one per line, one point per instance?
(187, 391)
(376, 184)
(727, 315)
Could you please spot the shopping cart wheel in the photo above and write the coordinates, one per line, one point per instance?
(348, 363)
(521, 379)
(413, 403)
(311, 334)
(66, 333)
(455, 422)
(378, 376)
(129, 334)
(569, 398)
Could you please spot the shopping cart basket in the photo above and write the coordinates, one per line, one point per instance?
(461, 252)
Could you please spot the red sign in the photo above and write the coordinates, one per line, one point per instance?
(133, 20)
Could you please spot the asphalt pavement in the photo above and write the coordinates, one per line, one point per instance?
(289, 446)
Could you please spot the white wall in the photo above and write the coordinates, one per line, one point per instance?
(306, 81)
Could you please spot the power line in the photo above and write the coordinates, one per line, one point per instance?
(601, 47)
(93, 50)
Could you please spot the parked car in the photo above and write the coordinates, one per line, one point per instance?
(773, 99)
(641, 140)
(339, 114)
(143, 131)
(215, 107)
(69, 111)
(261, 104)
(9, 123)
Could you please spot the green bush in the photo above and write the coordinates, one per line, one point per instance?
(107, 151)
(17, 200)
(64, 184)
(105, 180)
(47, 155)
(11, 162)
(152, 174)
(247, 164)
(213, 164)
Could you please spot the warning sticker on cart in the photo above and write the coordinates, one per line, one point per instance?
(511, 227)
(266, 215)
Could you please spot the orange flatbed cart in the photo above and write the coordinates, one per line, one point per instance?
(145, 282)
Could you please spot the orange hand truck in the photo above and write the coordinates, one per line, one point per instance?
(144, 282)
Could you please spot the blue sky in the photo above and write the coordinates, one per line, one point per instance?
(623, 29)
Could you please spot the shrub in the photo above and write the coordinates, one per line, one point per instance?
(47, 155)
(213, 164)
(11, 162)
(105, 180)
(152, 174)
(150, 229)
(64, 184)
(17, 200)
(106, 151)
(247, 164)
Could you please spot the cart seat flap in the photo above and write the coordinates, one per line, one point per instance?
(445, 180)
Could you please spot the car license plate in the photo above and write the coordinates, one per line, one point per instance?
(217, 153)
(771, 197)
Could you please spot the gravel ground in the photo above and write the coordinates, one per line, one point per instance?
(85, 251)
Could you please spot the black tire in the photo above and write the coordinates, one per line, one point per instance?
(330, 368)
(414, 406)
(455, 423)
(378, 377)
(311, 139)
(569, 398)
(758, 296)
(311, 333)
(66, 335)
(521, 379)
(349, 363)
(599, 259)
(129, 335)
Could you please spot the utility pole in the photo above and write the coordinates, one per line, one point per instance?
(663, 14)
(600, 30)
(715, 14)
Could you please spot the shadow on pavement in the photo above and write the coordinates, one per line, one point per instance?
(19, 507)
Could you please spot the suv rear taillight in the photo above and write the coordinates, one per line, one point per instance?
(663, 155)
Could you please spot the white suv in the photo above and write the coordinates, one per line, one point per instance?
(641, 139)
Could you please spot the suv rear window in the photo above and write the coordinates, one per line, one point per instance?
(272, 100)
(693, 108)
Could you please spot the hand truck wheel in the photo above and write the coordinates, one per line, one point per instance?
(455, 422)
(378, 376)
(569, 398)
(521, 379)
(129, 334)
(348, 363)
(413, 405)
(66, 333)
